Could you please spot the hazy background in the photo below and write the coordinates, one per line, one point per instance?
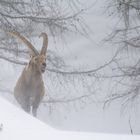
(79, 53)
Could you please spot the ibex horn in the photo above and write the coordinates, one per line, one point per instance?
(45, 43)
(25, 41)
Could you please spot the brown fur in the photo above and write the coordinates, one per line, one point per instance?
(29, 89)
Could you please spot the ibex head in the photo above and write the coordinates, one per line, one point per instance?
(38, 60)
(39, 63)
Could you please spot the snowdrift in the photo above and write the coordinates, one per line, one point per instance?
(15, 124)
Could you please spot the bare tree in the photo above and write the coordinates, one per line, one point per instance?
(56, 17)
(126, 67)
(26, 17)
(31, 17)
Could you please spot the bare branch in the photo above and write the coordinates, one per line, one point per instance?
(11, 60)
(66, 101)
(88, 72)
(131, 44)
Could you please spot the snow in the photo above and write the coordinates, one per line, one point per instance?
(78, 53)
(17, 124)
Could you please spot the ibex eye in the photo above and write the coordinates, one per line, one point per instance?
(35, 59)
(44, 64)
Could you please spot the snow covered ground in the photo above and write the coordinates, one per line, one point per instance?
(15, 124)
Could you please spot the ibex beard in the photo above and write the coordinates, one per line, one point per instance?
(29, 90)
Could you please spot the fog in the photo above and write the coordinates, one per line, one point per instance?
(79, 53)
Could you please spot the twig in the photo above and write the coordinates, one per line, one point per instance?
(67, 100)
(131, 130)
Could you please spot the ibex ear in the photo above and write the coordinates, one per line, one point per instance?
(45, 43)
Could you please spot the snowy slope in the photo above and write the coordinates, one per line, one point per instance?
(17, 125)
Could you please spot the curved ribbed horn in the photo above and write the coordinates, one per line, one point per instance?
(45, 43)
(25, 41)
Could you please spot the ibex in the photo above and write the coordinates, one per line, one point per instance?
(29, 89)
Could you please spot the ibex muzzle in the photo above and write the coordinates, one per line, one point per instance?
(29, 89)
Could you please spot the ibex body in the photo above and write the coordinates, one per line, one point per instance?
(29, 89)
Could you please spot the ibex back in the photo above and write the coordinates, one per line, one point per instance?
(29, 89)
